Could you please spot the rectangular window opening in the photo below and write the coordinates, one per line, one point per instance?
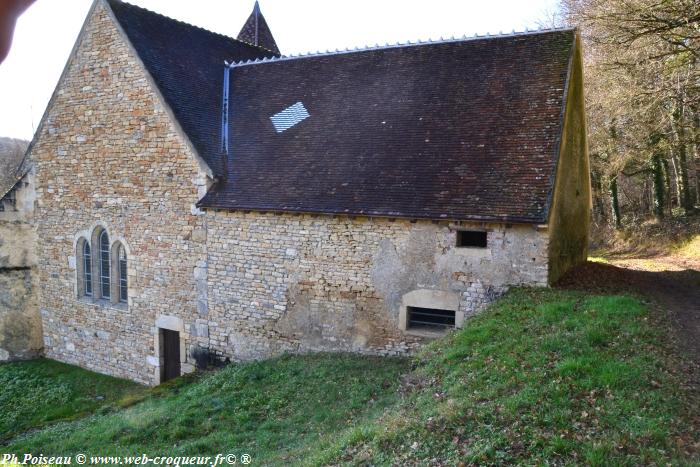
(471, 238)
(430, 319)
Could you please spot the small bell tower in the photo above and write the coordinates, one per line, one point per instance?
(256, 31)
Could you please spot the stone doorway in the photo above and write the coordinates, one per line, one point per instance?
(170, 354)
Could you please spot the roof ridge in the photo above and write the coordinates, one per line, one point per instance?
(192, 25)
(396, 45)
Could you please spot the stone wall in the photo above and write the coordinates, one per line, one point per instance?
(20, 323)
(17, 229)
(307, 283)
(108, 154)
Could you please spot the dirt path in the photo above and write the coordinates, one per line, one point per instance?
(671, 283)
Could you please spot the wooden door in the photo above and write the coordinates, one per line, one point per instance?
(171, 354)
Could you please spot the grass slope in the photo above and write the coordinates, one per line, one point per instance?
(35, 393)
(542, 377)
(279, 409)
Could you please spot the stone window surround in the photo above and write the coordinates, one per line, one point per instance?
(80, 256)
(471, 243)
(471, 251)
(77, 263)
(428, 298)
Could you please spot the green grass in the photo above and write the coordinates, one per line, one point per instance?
(279, 409)
(542, 377)
(35, 393)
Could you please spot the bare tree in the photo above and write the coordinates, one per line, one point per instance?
(642, 97)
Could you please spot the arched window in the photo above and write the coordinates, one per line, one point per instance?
(104, 265)
(123, 286)
(87, 269)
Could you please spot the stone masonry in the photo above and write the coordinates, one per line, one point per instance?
(313, 283)
(109, 154)
(20, 323)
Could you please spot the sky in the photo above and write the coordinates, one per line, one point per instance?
(46, 32)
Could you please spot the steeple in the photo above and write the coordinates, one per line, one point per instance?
(256, 31)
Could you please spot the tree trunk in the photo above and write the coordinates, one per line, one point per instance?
(599, 211)
(614, 203)
(696, 149)
(681, 149)
(659, 185)
(676, 178)
(667, 185)
(646, 198)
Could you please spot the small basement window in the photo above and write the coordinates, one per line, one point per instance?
(471, 238)
(430, 319)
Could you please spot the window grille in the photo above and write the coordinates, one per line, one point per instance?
(104, 264)
(430, 319)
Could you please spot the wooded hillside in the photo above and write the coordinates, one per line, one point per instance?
(643, 105)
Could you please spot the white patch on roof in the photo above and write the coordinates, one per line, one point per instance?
(289, 117)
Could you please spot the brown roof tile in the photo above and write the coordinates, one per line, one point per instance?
(453, 130)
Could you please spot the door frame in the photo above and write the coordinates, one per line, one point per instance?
(170, 323)
(174, 347)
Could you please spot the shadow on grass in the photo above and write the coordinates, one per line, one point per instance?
(675, 293)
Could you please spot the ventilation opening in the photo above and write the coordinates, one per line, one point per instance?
(430, 319)
(471, 238)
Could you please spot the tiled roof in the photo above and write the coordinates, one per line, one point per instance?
(186, 62)
(13, 163)
(452, 130)
(256, 31)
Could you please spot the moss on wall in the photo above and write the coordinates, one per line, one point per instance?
(570, 210)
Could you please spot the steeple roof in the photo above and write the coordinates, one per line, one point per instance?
(256, 31)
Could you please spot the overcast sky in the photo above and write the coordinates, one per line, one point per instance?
(45, 34)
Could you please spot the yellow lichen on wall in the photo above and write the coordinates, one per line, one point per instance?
(570, 210)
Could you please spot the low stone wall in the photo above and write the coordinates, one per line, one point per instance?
(20, 323)
(17, 245)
